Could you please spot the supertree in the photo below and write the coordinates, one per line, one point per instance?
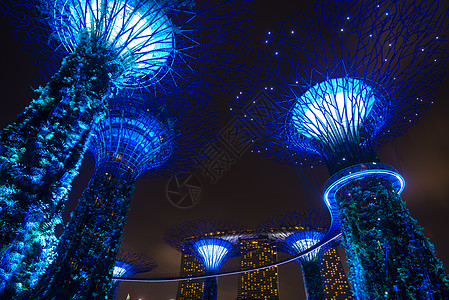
(128, 263)
(107, 46)
(211, 241)
(297, 231)
(154, 136)
(341, 81)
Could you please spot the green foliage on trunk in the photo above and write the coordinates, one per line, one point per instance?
(313, 281)
(40, 156)
(87, 249)
(210, 288)
(388, 255)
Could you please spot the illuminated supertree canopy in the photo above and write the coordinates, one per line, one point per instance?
(297, 231)
(342, 81)
(211, 241)
(105, 46)
(141, 33)
(212, 252)
(128, 263)
(333, 85)
(139, 134)
(133, 138)
(150, 42)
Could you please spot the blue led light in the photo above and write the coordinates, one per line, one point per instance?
(331, 108)
(141, 33)
(128, 263)
(122, 269)
(359, 172)
(302, 240)
(118, 271)
(212, 252)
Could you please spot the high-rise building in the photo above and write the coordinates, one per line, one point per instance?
(336, 284)
(262, 284)
(190, 289)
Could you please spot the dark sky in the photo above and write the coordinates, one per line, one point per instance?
(254, 188)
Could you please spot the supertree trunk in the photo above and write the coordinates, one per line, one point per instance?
(210, 288)
(87, 249)
(388, 255)
(312, 280)
(40, 156)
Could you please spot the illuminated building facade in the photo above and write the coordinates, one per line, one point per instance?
(190, 289)
(262, 284)
(336, 285)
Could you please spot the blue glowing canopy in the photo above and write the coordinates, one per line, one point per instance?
(211, 241)
(128, 262)
(342, 79)
(332, 108)
(212, 252)
(140, 32)
(298, 230)
(122, 269)
(134, 137)
(303, 240)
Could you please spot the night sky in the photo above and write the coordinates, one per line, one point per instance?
(254, 188)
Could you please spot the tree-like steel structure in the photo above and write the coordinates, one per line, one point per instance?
(106, 45)
(155, 136)
(297, 231)
(128, 263)
(211, 241)
(342, 80)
